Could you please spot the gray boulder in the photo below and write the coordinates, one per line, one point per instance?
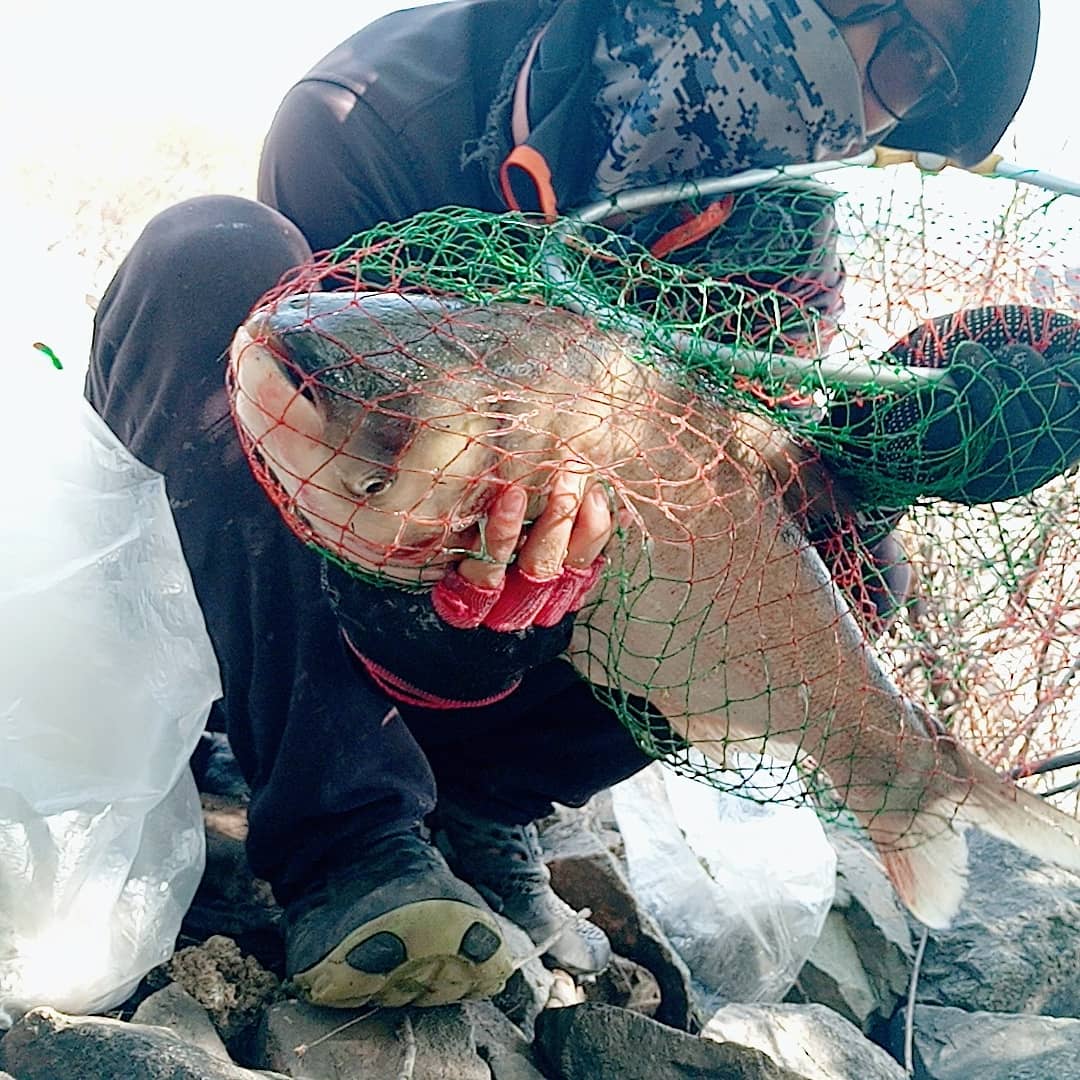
(586, 874)
(811, 1041)
(509, 1055)
(301, 1040)
(529, 988)
(861, 964)
(834, 976)
(48, 1045)
(173, 1007)
(1015, 946)
(950, 1044)
(599, 1042)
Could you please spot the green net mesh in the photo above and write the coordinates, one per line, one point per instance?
(843, 429)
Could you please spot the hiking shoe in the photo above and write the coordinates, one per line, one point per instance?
(505, 863)
(396, 929)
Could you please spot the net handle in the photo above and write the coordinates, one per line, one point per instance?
(878, 157)
(825, 370)
(790, 369)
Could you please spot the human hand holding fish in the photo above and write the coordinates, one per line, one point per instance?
(522, 578)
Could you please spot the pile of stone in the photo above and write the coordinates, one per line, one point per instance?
(995, 997)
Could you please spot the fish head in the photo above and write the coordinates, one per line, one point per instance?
(362, 410)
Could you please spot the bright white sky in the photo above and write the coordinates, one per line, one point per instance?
(228, 63)
(86, 89)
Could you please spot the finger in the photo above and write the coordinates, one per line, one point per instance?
(502, 531)
(544, 552)
(592, 529)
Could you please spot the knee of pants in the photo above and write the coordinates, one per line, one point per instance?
(225, 242)
(189, 281)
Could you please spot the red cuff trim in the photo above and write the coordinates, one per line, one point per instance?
(460, 603)
(570, 591)
(523, 598)
(397, 688)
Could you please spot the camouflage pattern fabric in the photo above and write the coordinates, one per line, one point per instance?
(699, 87)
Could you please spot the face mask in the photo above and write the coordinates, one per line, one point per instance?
(712, 87)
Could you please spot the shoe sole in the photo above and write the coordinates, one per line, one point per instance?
(432, 952)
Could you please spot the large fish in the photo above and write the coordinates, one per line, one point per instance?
(383, 424)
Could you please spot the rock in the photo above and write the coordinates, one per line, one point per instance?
(586, 875)
(514, 1069)
(834, 976)
(47, 1045)
(627, 985)
(601, 1042)
(174, 1008)
(529, 988)
(233, 988)
(861, 964)
(230, 899)
(301, 1040)
(810, 1041)
(1014, 947)
(951, 1044)
(877, 922)
(500, 1043)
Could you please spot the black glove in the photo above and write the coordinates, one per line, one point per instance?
(417, 658)
(1002, 421)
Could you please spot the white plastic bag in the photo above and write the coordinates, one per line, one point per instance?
(740, 888)
(106, 678)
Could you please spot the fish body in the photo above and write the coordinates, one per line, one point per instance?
(386, 423)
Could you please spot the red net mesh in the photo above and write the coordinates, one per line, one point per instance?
(838, 585)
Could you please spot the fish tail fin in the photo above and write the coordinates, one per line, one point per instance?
(926, 860)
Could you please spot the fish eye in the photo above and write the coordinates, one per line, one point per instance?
(377, 485)
(367, 487)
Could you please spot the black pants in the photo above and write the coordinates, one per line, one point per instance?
(332, 763)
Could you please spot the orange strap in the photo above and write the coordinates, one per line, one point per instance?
(532, 163)
(694, 229)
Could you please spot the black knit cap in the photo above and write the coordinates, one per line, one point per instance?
(993, 76)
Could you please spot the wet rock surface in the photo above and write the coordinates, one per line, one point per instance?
(47, 1045)
(811, 1041)
(1015, 946)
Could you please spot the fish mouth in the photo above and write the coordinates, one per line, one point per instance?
(434, 555)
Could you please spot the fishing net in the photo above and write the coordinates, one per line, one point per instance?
(844, 426)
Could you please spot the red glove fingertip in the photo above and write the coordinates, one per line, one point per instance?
(523, 598)
(571, 588)
(460, 603)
